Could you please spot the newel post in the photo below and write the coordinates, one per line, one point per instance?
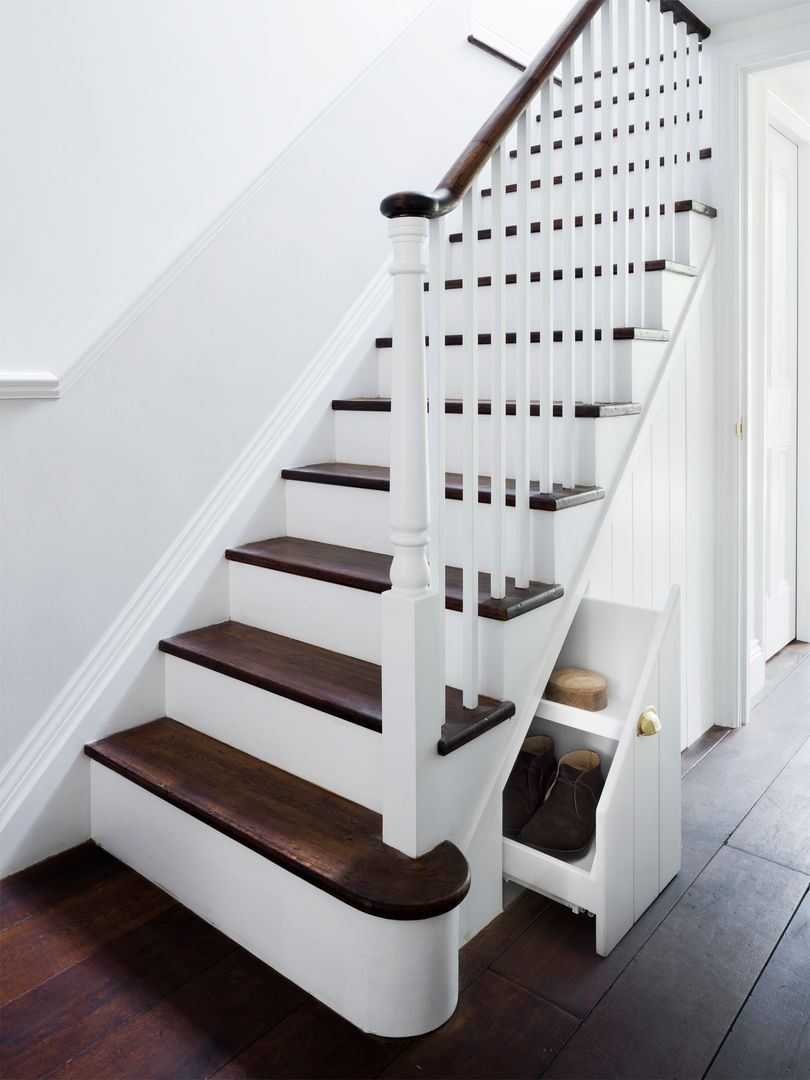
(412, 611)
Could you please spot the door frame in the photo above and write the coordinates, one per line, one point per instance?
(734, 60)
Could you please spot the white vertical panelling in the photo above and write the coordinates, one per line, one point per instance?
(659, 436)
(622, 142)
(694, 455)
(524, 351)
(642, 527)
(498, 582)
(470, 428)
(436, 418)
(588, 210)
(624, 548)
(546, 355)
(668, 109)
(605, 232)
(568, 263)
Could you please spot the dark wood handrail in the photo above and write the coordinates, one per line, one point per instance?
(455, 184)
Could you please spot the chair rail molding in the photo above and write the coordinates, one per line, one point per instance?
(30, 384)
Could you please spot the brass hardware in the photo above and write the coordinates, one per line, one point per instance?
(739, 428)
(648, 722)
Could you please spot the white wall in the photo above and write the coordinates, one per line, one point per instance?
(128, 125)
(99, 485)
(520, 28)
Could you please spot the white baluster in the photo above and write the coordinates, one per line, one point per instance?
(568, 262)
(470, 455)
(588, 211)
(545, 382)
(668, 108)
(694, 98)
(638, 245)
(605, 233)
(654, 245)
(523, 373)
(682, 107)
(498, 404)
(622, 188)
(411, 612)
(436, 394)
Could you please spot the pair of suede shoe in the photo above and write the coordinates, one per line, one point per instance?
(551, 805)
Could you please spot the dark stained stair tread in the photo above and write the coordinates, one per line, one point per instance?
(585, 410)
(334, 844)
(340, 685)
(485, 280)
(370, 571)
(376, 478)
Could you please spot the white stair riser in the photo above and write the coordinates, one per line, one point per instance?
(349, 622)
(324, 749)
(629, 360)
(355, 517)
(363, 438)
(389, 977)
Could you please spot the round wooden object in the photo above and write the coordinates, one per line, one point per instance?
(577, 687)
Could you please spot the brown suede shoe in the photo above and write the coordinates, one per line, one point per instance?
(528, 782)
(565, 822)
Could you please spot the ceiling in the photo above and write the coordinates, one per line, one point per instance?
(717, 12)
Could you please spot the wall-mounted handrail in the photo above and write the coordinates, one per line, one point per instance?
(456, 182)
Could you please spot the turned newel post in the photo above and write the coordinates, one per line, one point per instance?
(412, 612)
(410, 513)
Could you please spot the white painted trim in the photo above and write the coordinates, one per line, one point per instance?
(735, 52)
(488, 36)
(246, 481)
(29, 384)
(803, 408)
(75, 364)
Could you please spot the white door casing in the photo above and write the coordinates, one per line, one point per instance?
(780, 393)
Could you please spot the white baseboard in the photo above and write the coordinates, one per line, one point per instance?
(34, 822)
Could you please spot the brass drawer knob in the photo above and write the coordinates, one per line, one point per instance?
(648, 722)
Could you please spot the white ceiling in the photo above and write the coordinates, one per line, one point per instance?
(717, 12)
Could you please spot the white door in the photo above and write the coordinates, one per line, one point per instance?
(781, 357)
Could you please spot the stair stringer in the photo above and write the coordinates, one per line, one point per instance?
(481, 843)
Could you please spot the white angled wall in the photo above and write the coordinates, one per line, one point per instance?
(99, 485)
(661, 532)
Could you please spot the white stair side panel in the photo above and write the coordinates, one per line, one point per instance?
(665, 297)
(324, 749)
(390, 977)
(355, 517)
(363, 438)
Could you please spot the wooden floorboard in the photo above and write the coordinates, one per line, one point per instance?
(672, 1006)
(771, 1036)
(108, 977)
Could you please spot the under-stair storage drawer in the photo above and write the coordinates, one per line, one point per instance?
(635, 848)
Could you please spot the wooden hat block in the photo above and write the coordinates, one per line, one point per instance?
(577, 687)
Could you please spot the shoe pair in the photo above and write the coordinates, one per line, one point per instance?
(551, 805)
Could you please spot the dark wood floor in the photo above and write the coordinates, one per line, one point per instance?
(105, 976)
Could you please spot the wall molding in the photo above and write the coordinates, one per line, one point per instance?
(245, 484)
(29, 384)
(76, 364)
(504, 45)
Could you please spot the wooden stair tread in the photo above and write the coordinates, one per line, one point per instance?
(331, 682)
(330, 842)
(370, 571)
(376, 478)
(620, 333)
(587, 410)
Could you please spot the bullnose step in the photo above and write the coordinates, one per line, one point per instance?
(376, 478)
(370, 571)
(331, 682)
(332, 843)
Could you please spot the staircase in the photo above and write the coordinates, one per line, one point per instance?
(325, 786)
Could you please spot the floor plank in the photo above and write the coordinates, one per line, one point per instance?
(47, 883)
(52, 940)
(670, 1009)
(314, 1042)
(195, 1030)
(477, 955)
(701, 747)
(529, 1033)
(771, 1036)
(777, 826)
(46, 1027)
